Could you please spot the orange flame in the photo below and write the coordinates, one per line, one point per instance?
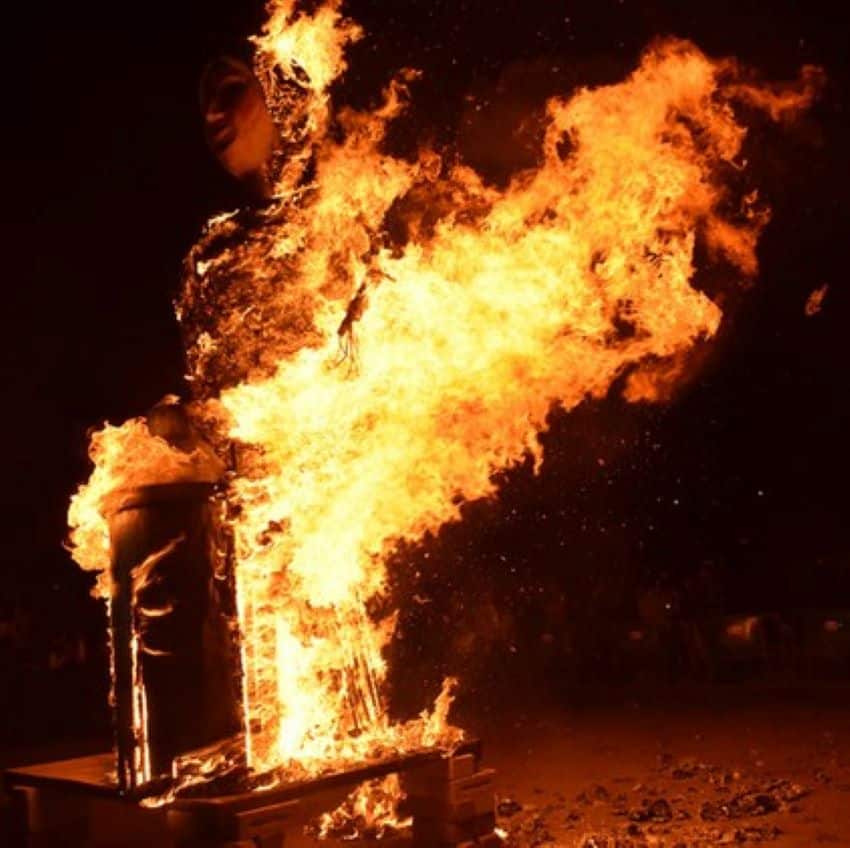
(125, 457)
(369, 811)
(814, 302)
(372, 385)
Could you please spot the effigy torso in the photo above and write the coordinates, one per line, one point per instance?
(241, 314)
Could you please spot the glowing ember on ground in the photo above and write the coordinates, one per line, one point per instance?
(814, 302)
(371, 383)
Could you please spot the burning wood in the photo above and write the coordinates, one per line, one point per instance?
(175, 686)
(512, 301)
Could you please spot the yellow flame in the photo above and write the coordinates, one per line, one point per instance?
(125, 457)
(369, 811)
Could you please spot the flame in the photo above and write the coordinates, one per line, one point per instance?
(298, 56)
(372, 383)
(125, 457)
(370, 811)
(141, 731)
(814, 302)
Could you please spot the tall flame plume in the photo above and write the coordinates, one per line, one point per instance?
(373, 382)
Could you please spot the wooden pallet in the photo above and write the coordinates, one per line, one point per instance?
(76, 803)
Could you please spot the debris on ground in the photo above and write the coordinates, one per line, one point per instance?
(687, 804)
(532, 832)
(768, 798)
(507, 807)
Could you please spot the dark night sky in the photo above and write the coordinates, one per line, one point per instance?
(111, 183)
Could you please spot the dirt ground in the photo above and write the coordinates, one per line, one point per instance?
(710, 768)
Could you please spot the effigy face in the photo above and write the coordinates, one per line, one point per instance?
(237, 123)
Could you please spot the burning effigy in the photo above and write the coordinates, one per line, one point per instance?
(369, 341)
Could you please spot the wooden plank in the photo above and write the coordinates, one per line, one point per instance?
(94, 775)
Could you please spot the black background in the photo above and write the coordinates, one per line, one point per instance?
(746, 471)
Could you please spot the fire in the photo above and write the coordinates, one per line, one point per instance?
(125, 457)
(369, 811)
(372, 383)
(814, 302)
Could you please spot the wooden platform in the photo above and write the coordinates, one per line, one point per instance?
(93, 775)
(76, 802)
